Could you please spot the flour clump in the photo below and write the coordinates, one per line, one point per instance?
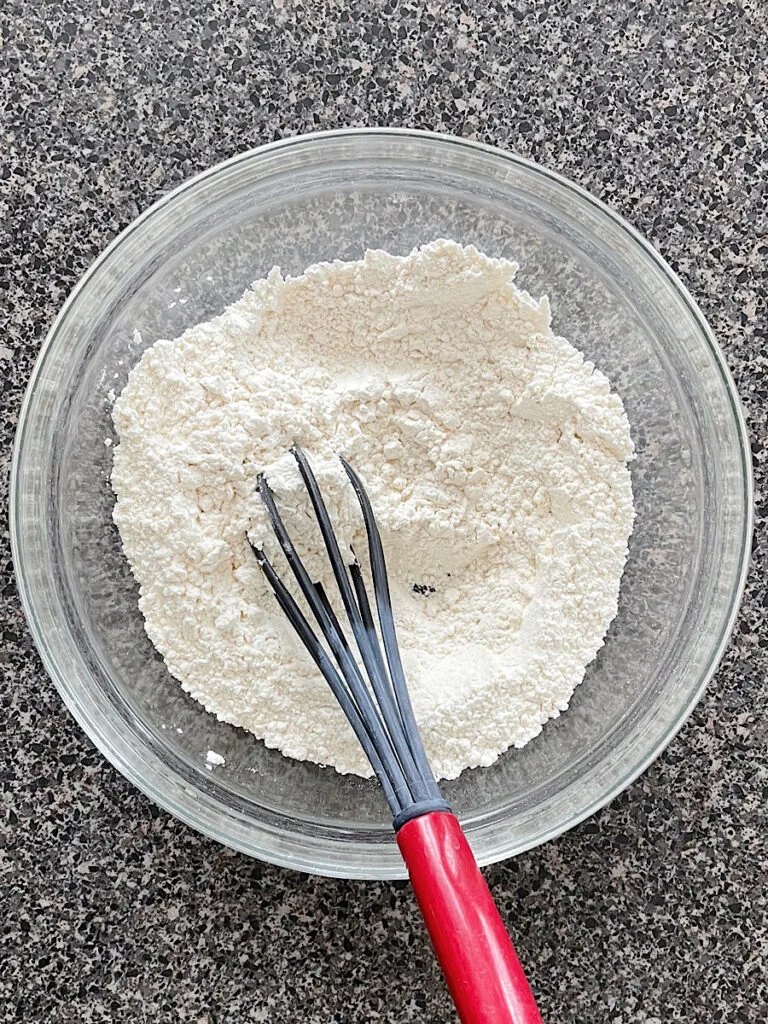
(495, 457)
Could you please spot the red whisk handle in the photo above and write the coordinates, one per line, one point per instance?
(482, 970)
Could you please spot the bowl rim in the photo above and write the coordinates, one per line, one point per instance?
(176, 799)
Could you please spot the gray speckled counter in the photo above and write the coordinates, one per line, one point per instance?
(654, 910)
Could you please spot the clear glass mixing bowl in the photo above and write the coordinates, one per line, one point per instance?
(329, 196)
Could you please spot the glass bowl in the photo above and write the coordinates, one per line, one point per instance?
(328, 196)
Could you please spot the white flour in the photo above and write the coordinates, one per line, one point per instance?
(495, 458)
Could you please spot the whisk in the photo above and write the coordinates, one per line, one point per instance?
(482, 970)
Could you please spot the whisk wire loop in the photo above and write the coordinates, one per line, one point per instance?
(381, 714)
(387, 624)
(351, 678)
(395, 797)
(367, 640)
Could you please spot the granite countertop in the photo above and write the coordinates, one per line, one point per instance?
(655, 909)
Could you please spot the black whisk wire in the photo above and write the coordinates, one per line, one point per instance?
(297, 619)
(381, 716)
(387, 623)
(367, 641)
(353, 683)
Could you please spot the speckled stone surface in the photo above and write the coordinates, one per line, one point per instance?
(654, 910)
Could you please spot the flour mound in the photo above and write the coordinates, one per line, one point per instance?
(495, 457)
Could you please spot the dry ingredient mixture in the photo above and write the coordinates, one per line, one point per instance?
(495, 457)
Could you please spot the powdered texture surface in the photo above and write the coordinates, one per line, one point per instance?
(495, 457)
